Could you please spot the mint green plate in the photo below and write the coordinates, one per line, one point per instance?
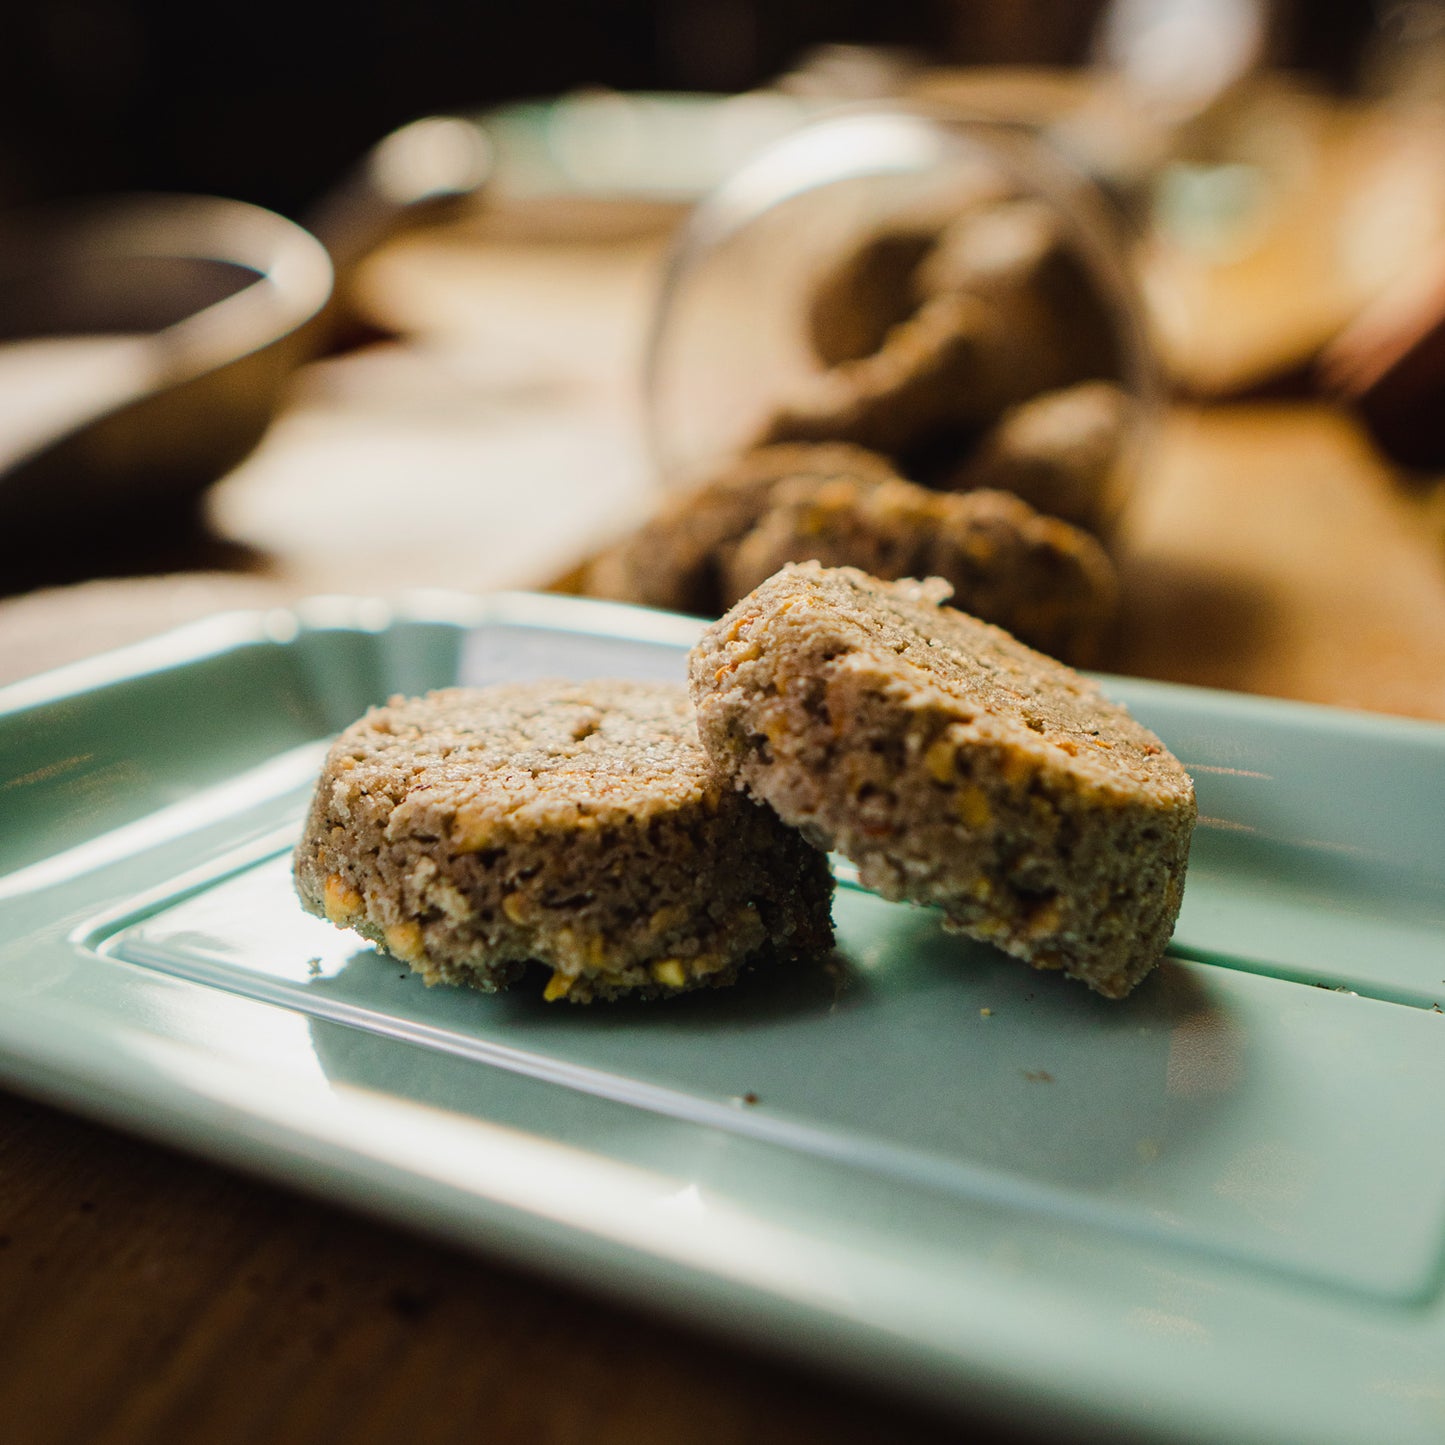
(1213, 1212)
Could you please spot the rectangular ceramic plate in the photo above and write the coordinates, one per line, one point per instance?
(1215, 1211)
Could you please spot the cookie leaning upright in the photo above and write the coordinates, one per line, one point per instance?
(953, 765)
(579, 825)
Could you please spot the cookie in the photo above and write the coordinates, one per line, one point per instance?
(1050, 584)
(1000, 247)
(672, 561)
(866, 293)
(939, 378)
(954, 765)
(871, 284)
(582, 826)
(1019, 255)
(1059, 451)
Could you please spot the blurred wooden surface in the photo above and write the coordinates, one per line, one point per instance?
(147, 1297)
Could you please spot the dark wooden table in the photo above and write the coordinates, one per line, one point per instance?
(147, 1297)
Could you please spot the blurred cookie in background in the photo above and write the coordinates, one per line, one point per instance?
(1050, 584)
(673, 560)
(1059, 451)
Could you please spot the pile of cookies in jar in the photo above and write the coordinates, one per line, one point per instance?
(969, 406)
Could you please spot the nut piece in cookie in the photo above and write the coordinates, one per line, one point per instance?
(953, 765)
(672, 561)
(471, 831)
(1050, 584)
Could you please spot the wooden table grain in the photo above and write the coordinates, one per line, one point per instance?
(145, 1296)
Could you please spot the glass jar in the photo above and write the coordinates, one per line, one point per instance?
(807, 297)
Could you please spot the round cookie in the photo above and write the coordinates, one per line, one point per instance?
(582, 826)
(1048, 583)
(1019, 255)
(1060, 451)
(938, 379)
(673, 560)
(953, 765)
(867, 292)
